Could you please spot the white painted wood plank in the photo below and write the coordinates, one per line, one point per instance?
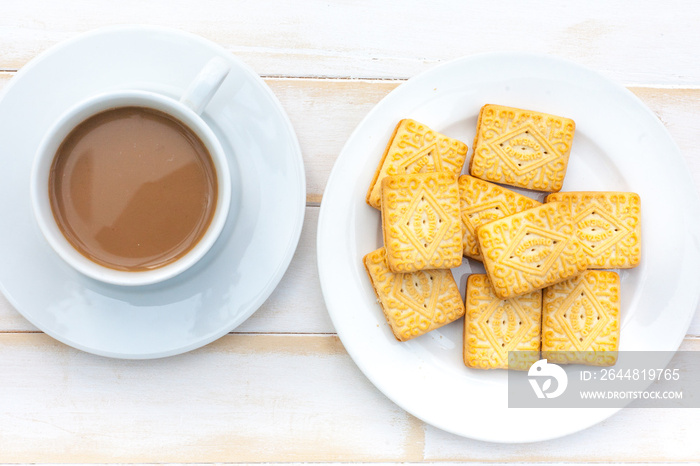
(324, 113)
(242, 399)
(385, 463)
(266, 398)
(385, 39)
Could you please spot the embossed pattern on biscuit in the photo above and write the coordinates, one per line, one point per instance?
(581, 319)
(481, 202)
(493, 327)
(421, 221)
(608, 225)
(531, 249)
(522, 148)
(415, 148)
(413, 303)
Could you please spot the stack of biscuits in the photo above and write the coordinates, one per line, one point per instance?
(548, 290)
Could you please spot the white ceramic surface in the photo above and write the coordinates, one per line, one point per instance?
(49, 146)
(245, 264)
(619, 145)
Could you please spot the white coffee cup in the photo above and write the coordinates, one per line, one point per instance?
(187, 110)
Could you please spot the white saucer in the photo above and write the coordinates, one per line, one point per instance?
(620, 145)
(243, 267)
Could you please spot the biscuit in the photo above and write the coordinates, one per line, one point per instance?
(414, 303)
(522, 148)
(415, 148)
(581, 320)
(531, 249)
(493, 327)
(608, 226)
(481, 202)
(420, 221)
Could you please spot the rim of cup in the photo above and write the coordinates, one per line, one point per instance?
(39, 184)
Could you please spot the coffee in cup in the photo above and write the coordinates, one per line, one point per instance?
(133, 187)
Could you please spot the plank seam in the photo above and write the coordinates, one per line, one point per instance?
(371, 79)
(304, 334)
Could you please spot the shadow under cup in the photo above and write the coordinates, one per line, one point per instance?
(127, 188)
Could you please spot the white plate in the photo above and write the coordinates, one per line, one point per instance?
(245, 264)
(619, 145)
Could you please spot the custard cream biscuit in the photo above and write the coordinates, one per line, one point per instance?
(581, 320)
(481, 202)
(414, 303)
(415, 148)
(421, 222)
(608, 225)
(531, 249)
(500, 333)
(522, 148)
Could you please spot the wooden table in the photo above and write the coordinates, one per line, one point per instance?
(281, 388)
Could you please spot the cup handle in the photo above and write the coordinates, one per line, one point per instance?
(205, 85)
